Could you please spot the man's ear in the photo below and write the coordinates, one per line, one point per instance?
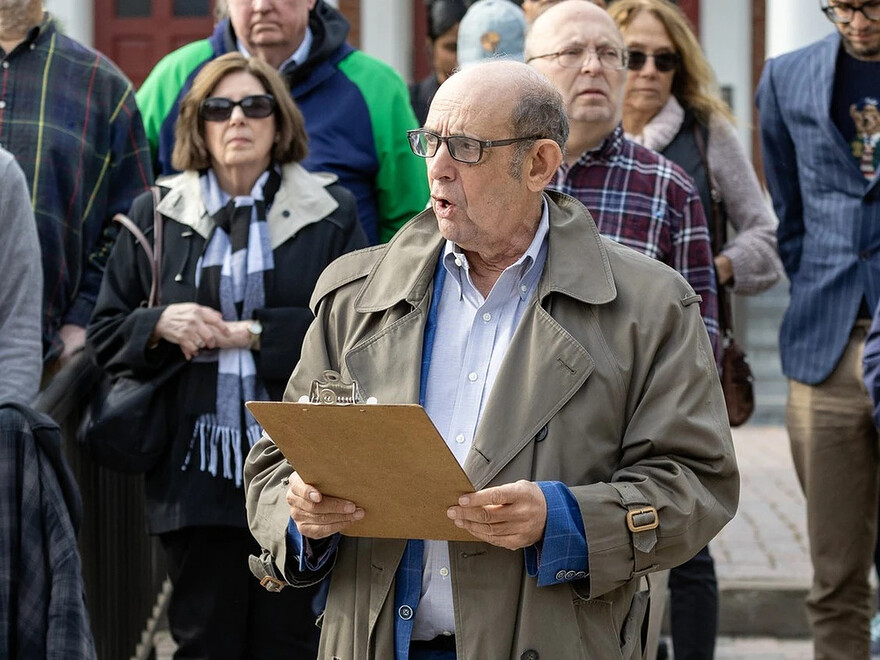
(541, 164)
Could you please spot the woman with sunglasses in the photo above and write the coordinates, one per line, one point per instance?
(671, 106)
(670, 96)
(247, 232)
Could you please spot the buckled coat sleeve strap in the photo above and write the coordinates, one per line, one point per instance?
(642, 520)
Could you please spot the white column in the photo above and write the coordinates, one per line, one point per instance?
(726, 35)
(76, 18)
(792, 24)
(386, 33)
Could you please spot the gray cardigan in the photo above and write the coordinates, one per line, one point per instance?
(21, 293)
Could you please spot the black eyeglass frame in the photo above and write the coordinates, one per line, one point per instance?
(831, 14)
(636, 63)
(414, 135)
(228, 106)
(624, 57)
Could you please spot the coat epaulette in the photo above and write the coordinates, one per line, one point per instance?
(347, 268)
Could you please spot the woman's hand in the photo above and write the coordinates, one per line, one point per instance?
(192, 327)
(237, 335)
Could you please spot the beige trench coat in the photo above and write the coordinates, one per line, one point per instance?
(609, 385)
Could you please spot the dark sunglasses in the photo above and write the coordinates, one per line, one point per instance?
(217, 108)
(664, 62)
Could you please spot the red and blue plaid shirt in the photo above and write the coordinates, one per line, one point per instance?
(69, 117)
(645, 201)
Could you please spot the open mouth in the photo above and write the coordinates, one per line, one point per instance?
(442, 206)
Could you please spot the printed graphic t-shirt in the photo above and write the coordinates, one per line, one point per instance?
(855, 109)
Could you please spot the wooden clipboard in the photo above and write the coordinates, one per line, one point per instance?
(387, 459)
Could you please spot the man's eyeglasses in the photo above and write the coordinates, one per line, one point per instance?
(663, 62)
(574, 57)
(843, 12)
(217, 108)
(462, 148)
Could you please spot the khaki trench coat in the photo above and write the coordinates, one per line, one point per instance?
(609, 385)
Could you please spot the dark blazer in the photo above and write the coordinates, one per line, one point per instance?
(311, 222)
(829, 216)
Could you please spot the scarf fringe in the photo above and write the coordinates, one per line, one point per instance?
(220, 446)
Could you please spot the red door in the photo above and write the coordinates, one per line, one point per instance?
(138, 33)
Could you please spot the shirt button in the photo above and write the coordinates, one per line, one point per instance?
(459, 438)
(405, 612)
(458, 262)
(444, 572)
(560, 575)
(472, 376)
(487, 317)
(5, 64)
(523, 288)
(2, 104)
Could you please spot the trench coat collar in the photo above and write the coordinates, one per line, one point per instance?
(577, 261)
(300, 201)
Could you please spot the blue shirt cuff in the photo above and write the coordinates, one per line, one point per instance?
(563, 554)
(317, 552)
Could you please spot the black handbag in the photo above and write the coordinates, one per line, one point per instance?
(124, 426)
(737, 381)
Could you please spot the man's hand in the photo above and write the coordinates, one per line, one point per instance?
(190, 326)
(316, 516)
(511, 516)
(73, 338)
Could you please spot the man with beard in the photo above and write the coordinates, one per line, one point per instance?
(825, 193)
(69, 117)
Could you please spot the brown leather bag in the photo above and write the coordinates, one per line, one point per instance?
(736, 374)
(736, 381)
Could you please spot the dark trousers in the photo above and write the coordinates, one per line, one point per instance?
(693, 607)
(218, 609)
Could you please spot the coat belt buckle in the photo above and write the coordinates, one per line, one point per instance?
(642, 520)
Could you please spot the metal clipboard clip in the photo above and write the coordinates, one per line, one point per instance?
(331, 389)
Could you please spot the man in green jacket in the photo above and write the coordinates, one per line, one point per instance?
(357, 108)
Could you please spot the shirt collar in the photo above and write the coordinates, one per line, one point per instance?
(30, 40)
(609, 147)
(528, 266)
(299, 55)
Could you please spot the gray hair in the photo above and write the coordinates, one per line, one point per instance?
(540, 111)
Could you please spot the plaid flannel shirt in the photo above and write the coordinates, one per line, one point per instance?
(69, 117)
(645, 201)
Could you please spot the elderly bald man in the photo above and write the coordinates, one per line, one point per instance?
(636, 197)
(571, 378)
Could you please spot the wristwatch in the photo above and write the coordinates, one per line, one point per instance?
(255, 329)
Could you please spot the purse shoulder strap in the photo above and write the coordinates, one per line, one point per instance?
(718, 231)
(154, 251)
(158, 244)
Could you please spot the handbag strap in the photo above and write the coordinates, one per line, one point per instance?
(154, 251)
(719, 231)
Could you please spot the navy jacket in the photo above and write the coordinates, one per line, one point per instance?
(829, 215)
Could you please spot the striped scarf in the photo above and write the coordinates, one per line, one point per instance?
(230, 278)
